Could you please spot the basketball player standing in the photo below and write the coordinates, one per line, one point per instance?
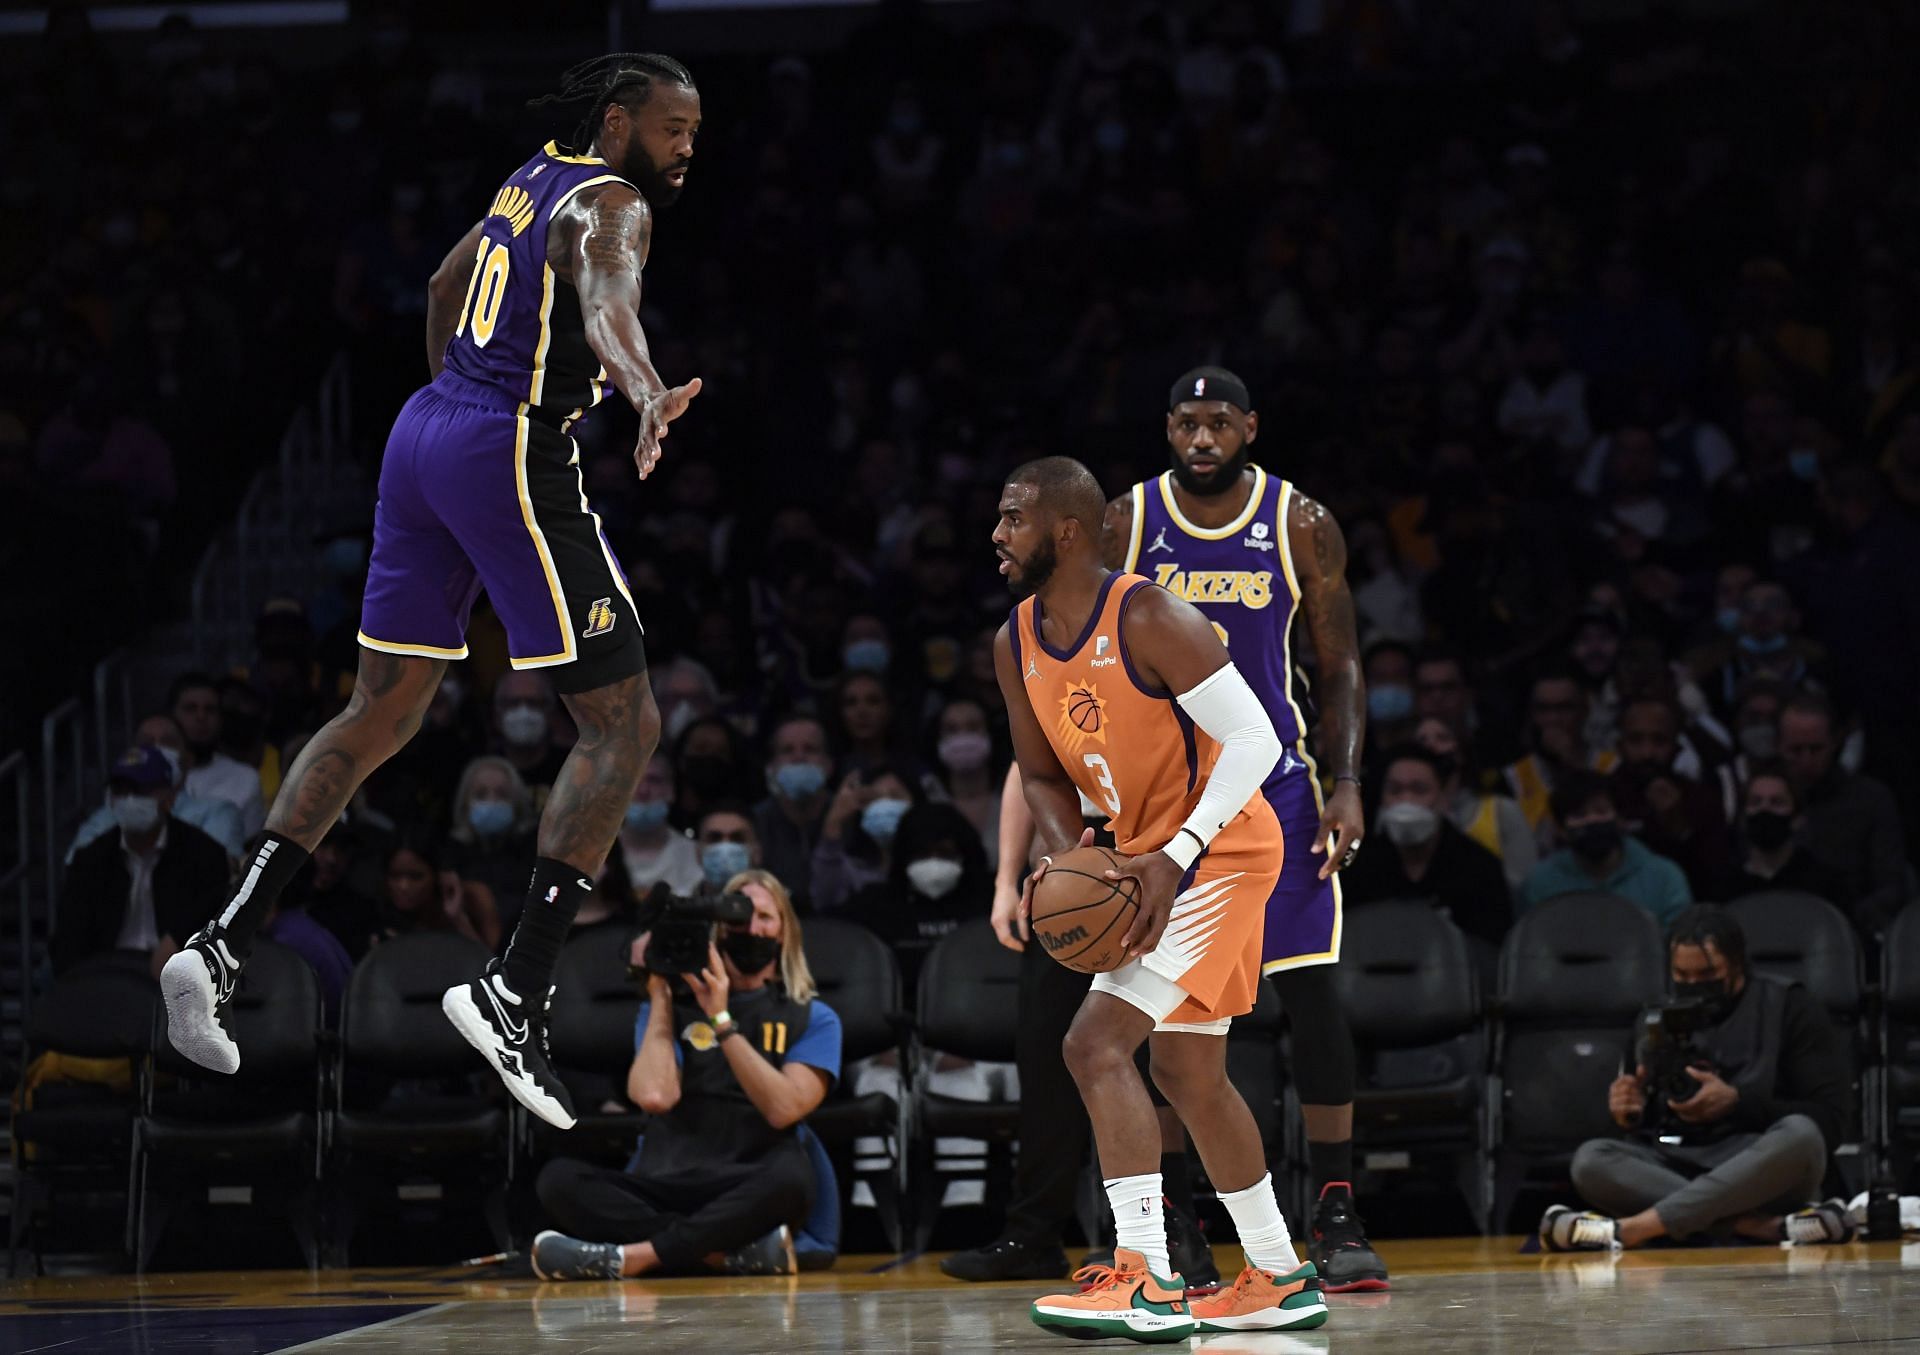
(1250, 551)
(530, 320)
(1122, 692)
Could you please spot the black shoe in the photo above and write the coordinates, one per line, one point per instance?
(513, 1040)
(197, 983)
(1100, 1258)
(1826, 1222)
(1340, 1250)
(1008, 1258)
(559, 1257)
(769, 1255)
(1190, 1253)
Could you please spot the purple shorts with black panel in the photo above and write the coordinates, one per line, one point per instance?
(1303, 912)
(475, 494)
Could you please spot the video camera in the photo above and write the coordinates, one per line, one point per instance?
(1664, 1046)
(682, 926)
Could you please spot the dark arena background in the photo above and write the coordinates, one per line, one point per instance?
(1594, 327)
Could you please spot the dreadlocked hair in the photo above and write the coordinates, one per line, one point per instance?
(613, 78)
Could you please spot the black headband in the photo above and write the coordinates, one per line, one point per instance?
(1210, 383)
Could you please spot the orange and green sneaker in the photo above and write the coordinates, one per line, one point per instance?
(1123, 1299)
(1263, 1301)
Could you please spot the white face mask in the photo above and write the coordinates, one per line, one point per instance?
(523, 725)
(135, 813)
(936, 877)
(1408, 825)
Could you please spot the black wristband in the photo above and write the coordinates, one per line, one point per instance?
(1345, 777)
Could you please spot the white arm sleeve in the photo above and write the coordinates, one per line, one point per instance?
(1225, 707)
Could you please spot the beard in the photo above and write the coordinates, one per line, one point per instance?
(1034, 571)
(652, 182)
(1222, 480)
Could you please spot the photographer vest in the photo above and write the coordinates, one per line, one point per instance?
(1745, 1049)
(715, 1124)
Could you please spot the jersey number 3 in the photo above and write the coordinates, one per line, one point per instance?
(489, 281)
(1109, 792)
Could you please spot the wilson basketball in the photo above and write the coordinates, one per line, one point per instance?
(1084, 711)
(1079, 915)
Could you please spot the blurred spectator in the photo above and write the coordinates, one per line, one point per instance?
(938, 879)
(524, 707)
(1419, 855)
(1386, 599)
(1387, 668)
(243, 733)
(1851, 820)
(295, 928)
(491, 842)
(651, 849)
(685, 691)
(1545, 402)
(1557, 743)
(866, 712)
(1675, 816)
(327, 892)
(727, 843)
(284, 679)
(1766, 644)
(424, 896)
(1769, 854)
(788, 821)
(142, 889)
(856, 837)
(865, 645)
(194, 702)
(970, 774)
(1493, 822)
(1441, 692)
(710, 767)
(218, 819)
(1600, 857)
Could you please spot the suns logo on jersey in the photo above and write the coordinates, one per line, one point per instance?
(1083, 716)
(516, 205)
(1245, 587)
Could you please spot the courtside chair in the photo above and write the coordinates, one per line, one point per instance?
(1899, 1090)
(591, 1040)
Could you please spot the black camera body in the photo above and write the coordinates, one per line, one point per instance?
(1665, 1047)
(682, 926)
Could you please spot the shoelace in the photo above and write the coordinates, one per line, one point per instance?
(1808, 1227)
(1090, 1278)
(1592, 1232)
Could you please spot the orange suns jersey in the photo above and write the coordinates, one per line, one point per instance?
(1128, 747)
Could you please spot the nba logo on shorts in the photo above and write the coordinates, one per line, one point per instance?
(600, 618)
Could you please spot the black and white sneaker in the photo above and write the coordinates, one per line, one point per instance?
(1564, 1229)
(1340, 1251)
(197, 983)
(559, 1257)
(769, 1255)
(1825, 1223)
(495, 1020)
(1190, 1252)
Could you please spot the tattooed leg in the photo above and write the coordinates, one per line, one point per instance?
(619, 729)
(390, 698)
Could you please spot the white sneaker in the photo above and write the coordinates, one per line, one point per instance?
(197, 983)
(1564, 1229)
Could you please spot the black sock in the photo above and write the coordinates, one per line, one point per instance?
(1330, 1162)
(1176, 1181)
(553, 898)
(275, 860)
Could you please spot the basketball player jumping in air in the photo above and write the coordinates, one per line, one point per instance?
(530, 320)
(1121, 690)
(1250, 551)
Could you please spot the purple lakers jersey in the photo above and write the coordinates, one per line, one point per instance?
(1241, 578)
(520, 329)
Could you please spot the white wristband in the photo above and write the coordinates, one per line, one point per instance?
(1185, 848)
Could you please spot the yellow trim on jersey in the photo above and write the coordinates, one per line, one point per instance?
(1139, 496)
(567, 196)
(568, 654)
(552, 152)
(1282, 517)
(539, 384)
(412, 651)
(1213, 533)
(1331, 955)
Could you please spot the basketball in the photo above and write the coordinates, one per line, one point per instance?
(1079, 915)
(1084, 711)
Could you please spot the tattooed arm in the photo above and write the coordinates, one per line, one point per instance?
(1320, 563)
(447, 295)
(599, 243)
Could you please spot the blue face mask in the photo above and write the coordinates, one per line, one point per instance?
(645, 814)
(881, 819)
(1804, 464)
(1389, 701)
(796, 780)
(1728, 619)
(1754, 644)
(721, 861)
(490, 817)
(867, 656)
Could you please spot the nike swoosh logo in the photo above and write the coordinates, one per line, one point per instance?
(516, 1030)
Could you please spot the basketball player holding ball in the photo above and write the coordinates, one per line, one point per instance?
(1121, 690)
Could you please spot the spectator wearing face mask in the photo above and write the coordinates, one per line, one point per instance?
(1421, 855)
(1851, 820)
(523, 711)
(856, 837)
(1754, 726)
(1768, 854)
(1388, 667)
(1767, 643)
(938, 879)
(788, 820)
(1594, 652)
(684, 691)
(727, 843)
(143, 888)
(650, 847)
(218, 819)
(707, 764)
(1600, 857)
(1674, 815)
(492, 838)
(1493, 822)
(194, 703)
(1557, 745)
(866, 646)
(968, 772)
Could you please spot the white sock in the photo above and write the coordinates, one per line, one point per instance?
(1263, 1233)
(1138, 1223)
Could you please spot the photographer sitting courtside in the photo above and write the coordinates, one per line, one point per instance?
(728, 1061)
(1729, 1119)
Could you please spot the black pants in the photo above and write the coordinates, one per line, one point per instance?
(1054, 1129)
(686, 1221)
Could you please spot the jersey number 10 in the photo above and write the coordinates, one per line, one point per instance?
(489, 280)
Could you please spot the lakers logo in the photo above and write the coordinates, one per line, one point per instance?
(516, 205)
(600, 618)
(699, 1035)
(1245, 587)
(1083, 716)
